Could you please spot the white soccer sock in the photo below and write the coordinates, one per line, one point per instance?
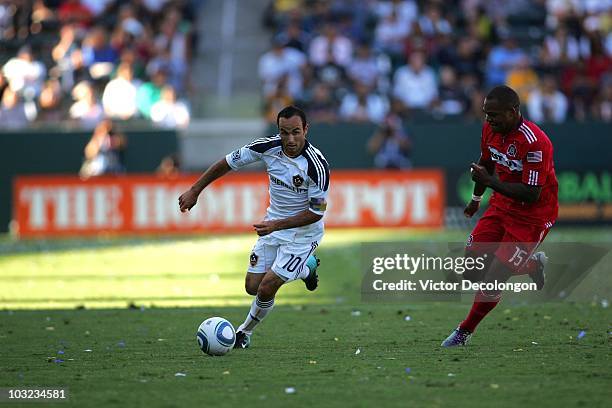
(259, 310)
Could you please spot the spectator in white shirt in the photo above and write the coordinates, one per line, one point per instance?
(280, 62)
(97, 7)
(330, 48)
(547, 103)
(406, 10)
(415, 84)
(368, 68)
(154, 6)
(391, 34)
(170, 112)
(86, 109)
(562, 48)
(24, 74)
(433, 23)
(119, 97)
(363, 105)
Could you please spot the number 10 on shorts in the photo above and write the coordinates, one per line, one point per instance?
(292, 263)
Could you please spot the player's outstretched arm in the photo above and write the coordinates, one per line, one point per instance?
(518, 191)
(190, 197)
(305, 217)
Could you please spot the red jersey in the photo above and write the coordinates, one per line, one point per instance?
(525, 155)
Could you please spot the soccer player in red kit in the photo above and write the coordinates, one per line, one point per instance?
(516, 162)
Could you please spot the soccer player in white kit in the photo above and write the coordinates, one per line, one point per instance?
(293, 226)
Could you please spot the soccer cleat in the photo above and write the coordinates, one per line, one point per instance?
(459, 337)
(243, 340)
(312, 280)
(538, 276)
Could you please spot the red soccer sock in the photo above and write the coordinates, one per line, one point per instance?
(483, 304)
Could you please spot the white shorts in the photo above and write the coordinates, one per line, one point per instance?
(285, 259)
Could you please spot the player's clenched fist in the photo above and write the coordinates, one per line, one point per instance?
(187, 200)
(480, 174)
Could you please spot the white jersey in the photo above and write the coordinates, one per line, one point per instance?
(296, 184)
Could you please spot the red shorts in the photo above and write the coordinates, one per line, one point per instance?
(510, 239)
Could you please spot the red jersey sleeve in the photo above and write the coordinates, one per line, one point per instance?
(485, 154)
(537, 161)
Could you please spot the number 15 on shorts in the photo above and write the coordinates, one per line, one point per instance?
(518, 257)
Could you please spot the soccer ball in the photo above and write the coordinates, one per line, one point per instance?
(216, 336)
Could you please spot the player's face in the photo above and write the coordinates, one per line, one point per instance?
(293, 135)
(501, 118)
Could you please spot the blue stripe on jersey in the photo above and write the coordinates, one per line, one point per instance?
(264, 144)
(318, 169)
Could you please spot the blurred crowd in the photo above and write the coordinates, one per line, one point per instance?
(91, 60)
(369, 60)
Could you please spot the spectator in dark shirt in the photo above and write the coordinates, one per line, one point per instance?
(13, 113)
(322, 107)
(104, 154)
(293, 36)
(390, 146)
(451, 99)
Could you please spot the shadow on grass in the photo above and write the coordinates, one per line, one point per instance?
(10, 246)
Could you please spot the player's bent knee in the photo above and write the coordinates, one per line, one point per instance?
(265, 296)
(251, 284)
(266, 290)
(250, 288)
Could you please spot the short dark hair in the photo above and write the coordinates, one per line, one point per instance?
(291, 111)
(505, 95)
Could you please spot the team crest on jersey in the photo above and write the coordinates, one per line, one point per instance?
(298, 180)
(511, 150)
(253, 259)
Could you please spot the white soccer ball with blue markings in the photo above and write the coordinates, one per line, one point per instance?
(216, 336)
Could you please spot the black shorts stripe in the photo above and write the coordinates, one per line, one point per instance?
(313, 246)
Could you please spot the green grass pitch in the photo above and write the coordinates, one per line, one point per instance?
(114, 320)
